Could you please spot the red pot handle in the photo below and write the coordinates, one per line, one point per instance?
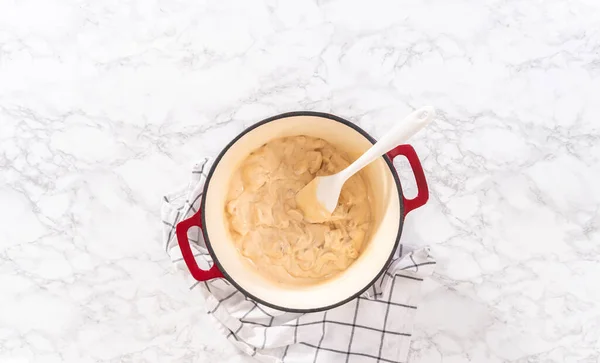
(186, 250)
(415, 164)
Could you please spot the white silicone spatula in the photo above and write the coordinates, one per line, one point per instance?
(319, 198)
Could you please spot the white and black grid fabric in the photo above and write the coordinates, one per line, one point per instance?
(375, 327)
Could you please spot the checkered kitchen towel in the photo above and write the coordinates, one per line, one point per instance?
(375, 327)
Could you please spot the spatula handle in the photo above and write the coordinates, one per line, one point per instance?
(401, 132)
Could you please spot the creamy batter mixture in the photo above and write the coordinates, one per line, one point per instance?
(270, 230)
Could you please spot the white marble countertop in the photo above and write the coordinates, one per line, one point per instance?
(104, 105)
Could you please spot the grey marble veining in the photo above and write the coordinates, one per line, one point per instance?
(104, 105)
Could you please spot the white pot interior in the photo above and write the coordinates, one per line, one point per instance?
(385, 210)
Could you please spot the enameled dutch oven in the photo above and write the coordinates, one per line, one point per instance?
(389, 208)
